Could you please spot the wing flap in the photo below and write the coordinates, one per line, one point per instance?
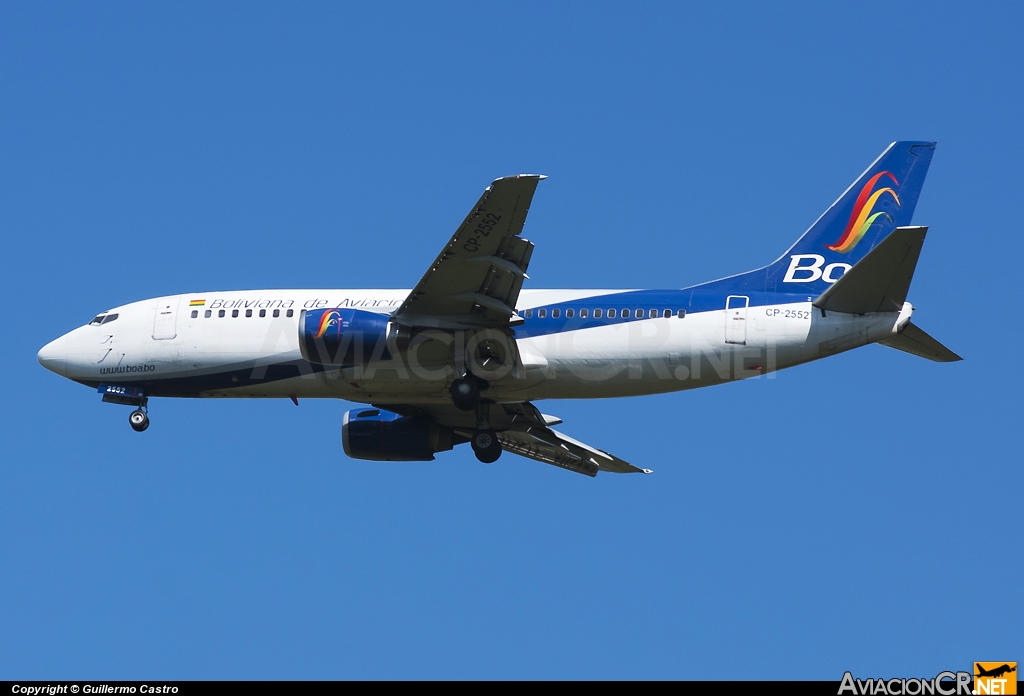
(551, 447)
(530, 446)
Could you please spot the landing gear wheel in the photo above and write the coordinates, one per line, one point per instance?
(486, 446)
(465, 393)
(139, 420)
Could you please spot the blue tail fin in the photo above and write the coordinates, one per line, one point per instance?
(882, 199)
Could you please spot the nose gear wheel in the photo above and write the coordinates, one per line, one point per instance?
(139, 420)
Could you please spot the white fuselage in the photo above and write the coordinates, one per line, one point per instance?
(246, 344)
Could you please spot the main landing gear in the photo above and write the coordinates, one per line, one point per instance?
(486, 446)
(139, 420)
(465, 393)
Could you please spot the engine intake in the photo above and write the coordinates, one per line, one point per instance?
(343, 337)
(382, 436)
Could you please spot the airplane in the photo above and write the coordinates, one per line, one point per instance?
(465, 355)
(995, 672)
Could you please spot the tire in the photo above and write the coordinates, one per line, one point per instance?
(486, 446)
(138, 420)
(465, 393)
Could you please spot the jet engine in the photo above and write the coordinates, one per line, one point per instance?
(343, 337)
(382, 436)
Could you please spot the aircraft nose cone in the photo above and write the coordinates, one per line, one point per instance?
(53, 356)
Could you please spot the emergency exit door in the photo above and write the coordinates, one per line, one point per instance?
(736, 319)
(165, 323)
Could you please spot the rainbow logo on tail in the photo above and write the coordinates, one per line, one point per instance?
(862, 218)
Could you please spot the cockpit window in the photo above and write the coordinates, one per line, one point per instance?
(102, 319)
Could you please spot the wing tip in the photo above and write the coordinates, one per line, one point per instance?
(538, 177)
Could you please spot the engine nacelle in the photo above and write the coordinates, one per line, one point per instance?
(382, 436)
(343, 337)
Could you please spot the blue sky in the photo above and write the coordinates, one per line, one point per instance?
(854, 513)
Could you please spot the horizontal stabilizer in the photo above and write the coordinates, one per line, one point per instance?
(916, 342)
(880, 281)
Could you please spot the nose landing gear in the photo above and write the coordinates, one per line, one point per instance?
(139, 420)
(129, 396)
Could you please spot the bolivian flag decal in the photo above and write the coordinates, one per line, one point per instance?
(197, 303)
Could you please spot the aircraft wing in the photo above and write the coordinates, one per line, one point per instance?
(475, 281)
(524, 430)
(551, 447)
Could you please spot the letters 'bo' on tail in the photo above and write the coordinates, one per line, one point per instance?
(882, 199)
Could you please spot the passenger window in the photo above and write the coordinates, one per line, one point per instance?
(597, 313)
(681, 313)
(541, 313)
(98, 320)
(611, 313)
(290, 312)
(528, 313)
(625, 313)
(667, 313)
(248, 313)
(638, 313)
(583, 314)
(556, 313)
(653, 313)
(277, 313)
(195, 313)
(569, 313)
(263, 313)
(220, 313)
(110, 318)
(208, 313)
(234, 313)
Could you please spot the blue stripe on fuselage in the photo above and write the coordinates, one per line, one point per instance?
(692, 300)
(231, 377)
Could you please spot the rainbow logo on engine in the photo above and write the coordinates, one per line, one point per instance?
(326, 321)
(862, 218)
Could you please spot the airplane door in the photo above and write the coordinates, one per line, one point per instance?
(165, 322)
(736, 319)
